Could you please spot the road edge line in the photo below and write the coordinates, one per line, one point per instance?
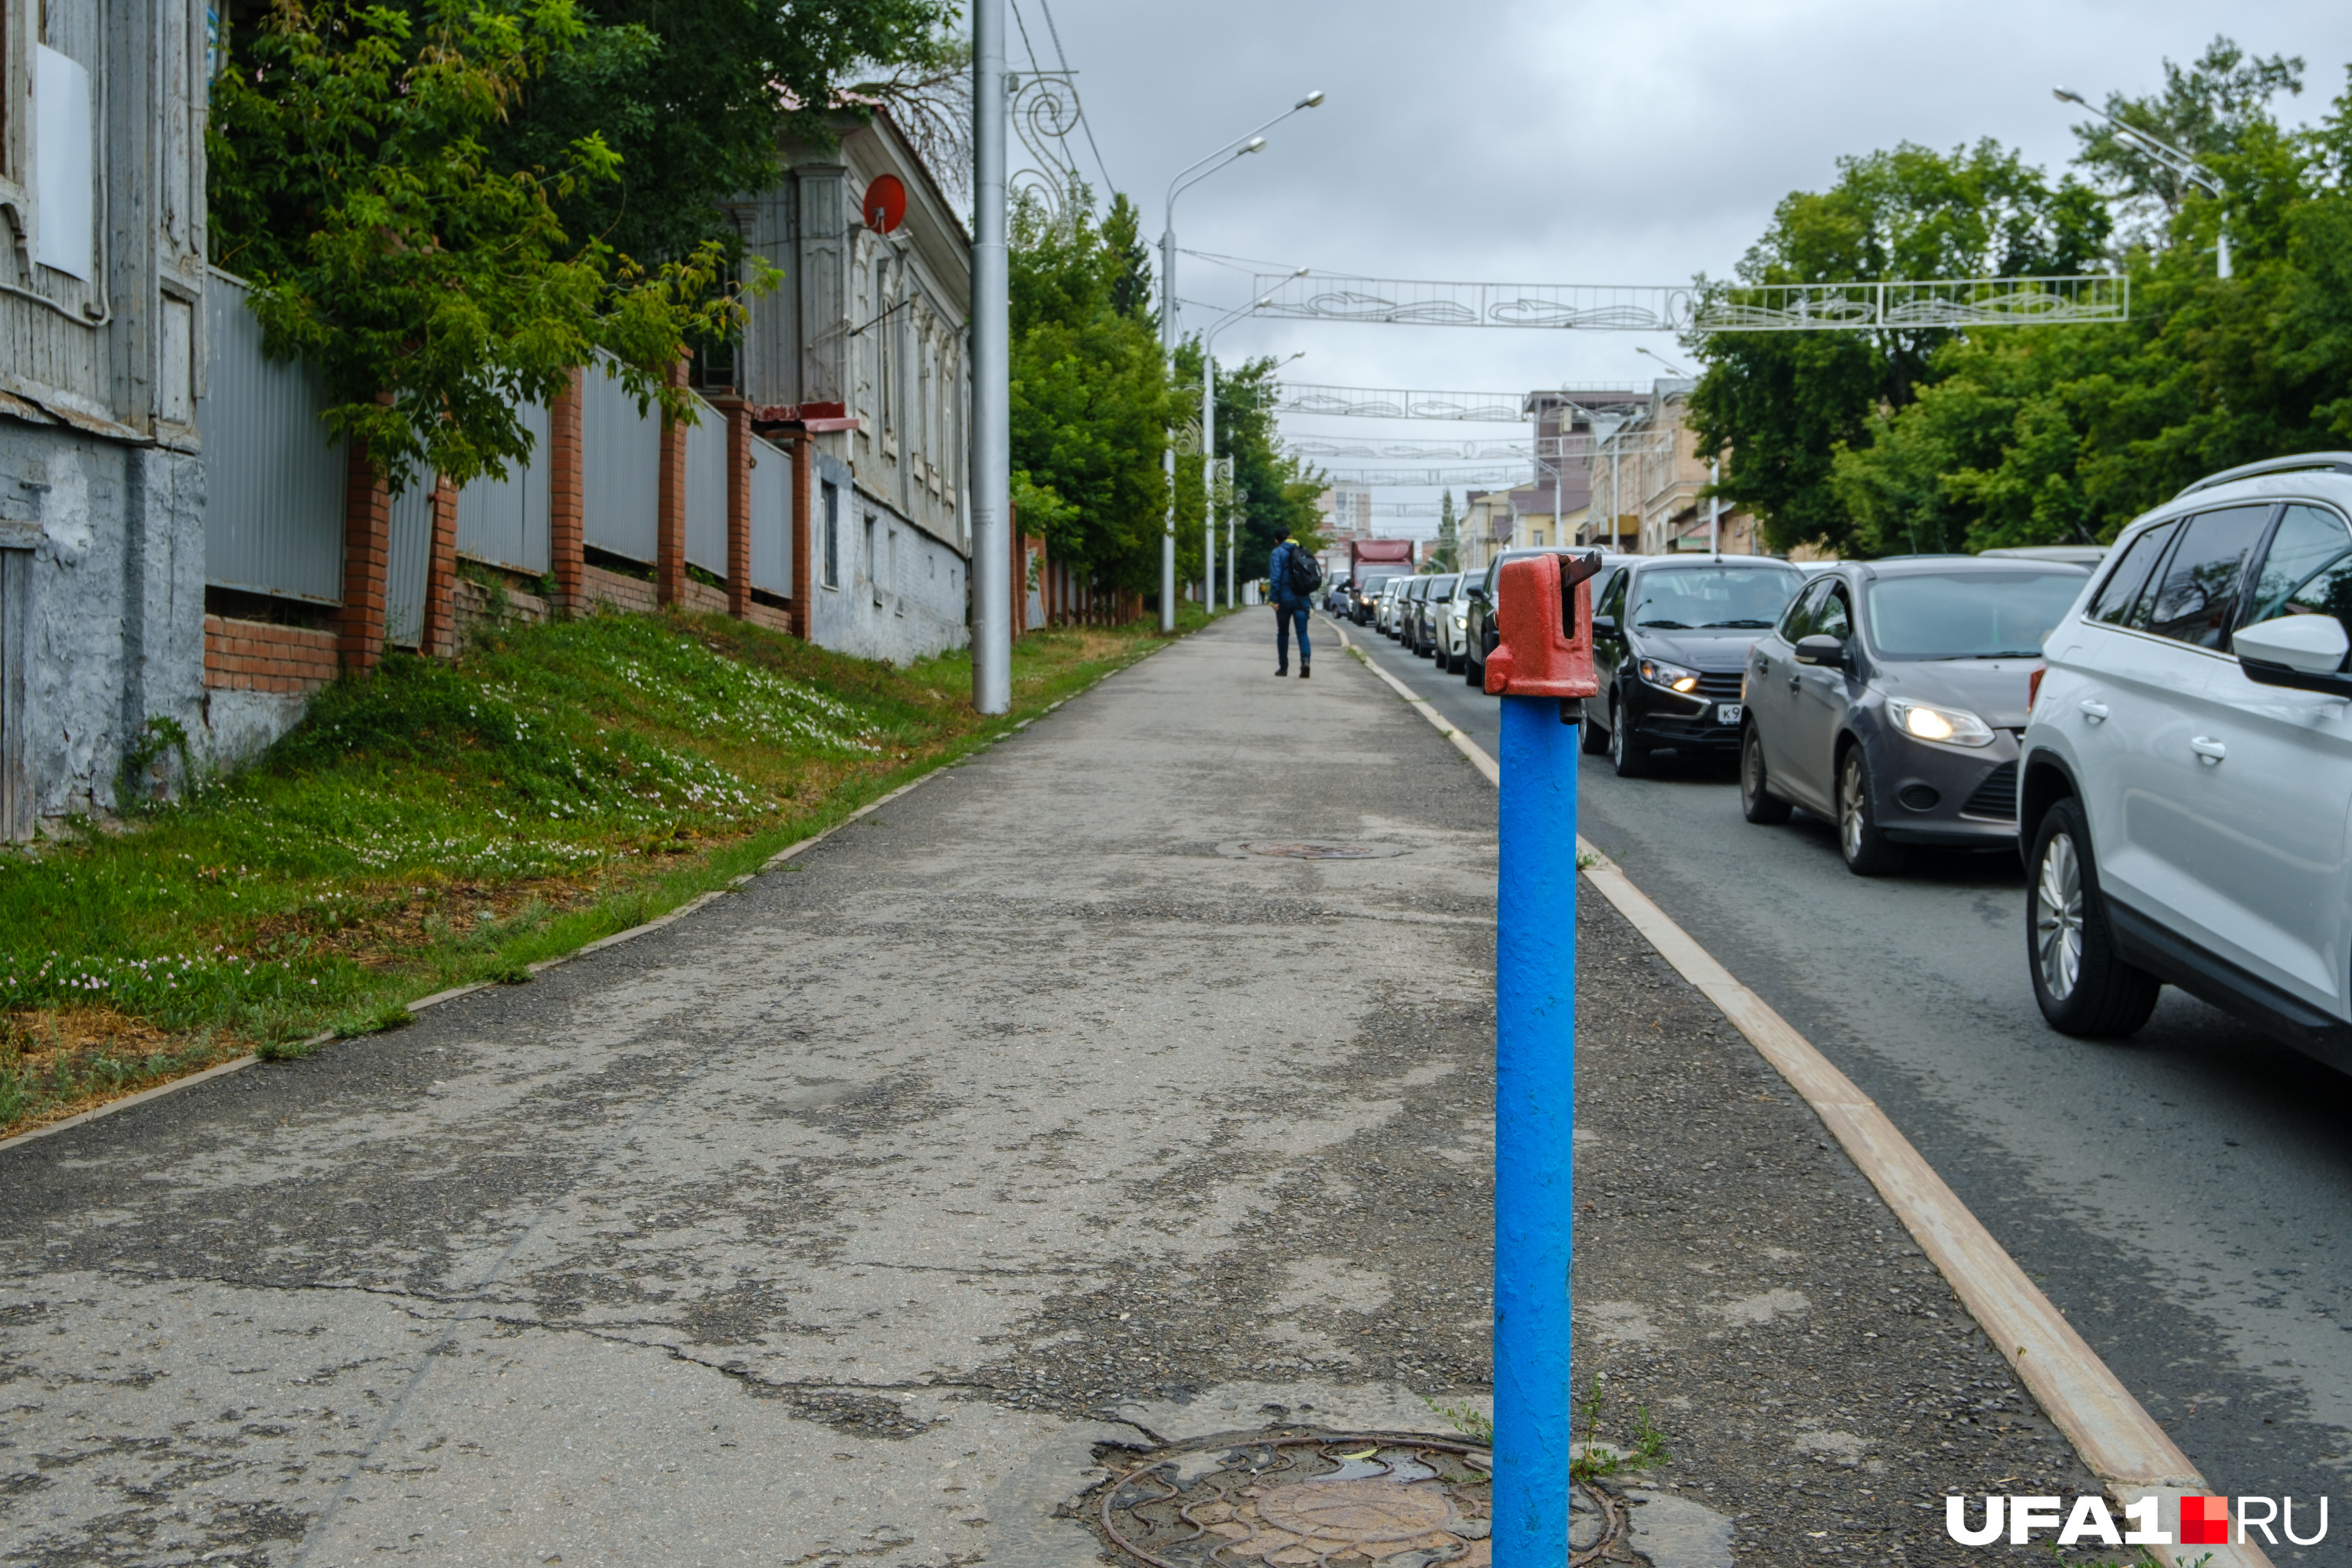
(2117, 1440)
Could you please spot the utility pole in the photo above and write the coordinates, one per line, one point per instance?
(991, 384)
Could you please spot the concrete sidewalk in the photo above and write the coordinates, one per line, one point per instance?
(841, 1222)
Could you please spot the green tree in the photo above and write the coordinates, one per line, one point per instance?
(693, 95)
(435, 288)
(2207, 111)
(1091, 399)
(1281, 487)
(1779, 405)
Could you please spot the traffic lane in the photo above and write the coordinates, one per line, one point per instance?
(1466, 707)
(2178, 1195)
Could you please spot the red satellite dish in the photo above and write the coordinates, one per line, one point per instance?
(886, 203)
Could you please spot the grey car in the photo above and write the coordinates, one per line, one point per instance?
(1890, 698)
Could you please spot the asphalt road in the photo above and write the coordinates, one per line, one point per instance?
(2182, 1196)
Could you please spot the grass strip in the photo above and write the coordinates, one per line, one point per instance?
(447, 823)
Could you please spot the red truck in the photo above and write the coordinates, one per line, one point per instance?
(1370, 563)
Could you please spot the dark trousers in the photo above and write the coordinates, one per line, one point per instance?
(1285, 611)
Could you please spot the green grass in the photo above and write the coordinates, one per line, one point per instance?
(442, 824)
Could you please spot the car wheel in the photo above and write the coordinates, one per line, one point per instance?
(1595, 740)
(1867, 850)
(1627, 755)
(1758, 803)
(2084, 987)
(1473, 672)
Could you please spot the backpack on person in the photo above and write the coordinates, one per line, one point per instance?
(1302, 573)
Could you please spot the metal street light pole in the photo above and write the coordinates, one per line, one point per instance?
(1209, 444)
(992, 387)
(2172, 157)
(1240, 147)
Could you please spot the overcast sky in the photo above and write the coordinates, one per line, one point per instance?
(1505, 141)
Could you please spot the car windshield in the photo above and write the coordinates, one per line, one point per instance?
(1973, 614)
(1712, 598)
(1438, 587)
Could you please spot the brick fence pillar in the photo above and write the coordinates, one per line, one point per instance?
(738, 505)
(567, 499)
(367, 561)
(804, 512)
(439, 637)
(670, 528)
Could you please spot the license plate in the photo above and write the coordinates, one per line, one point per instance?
(1727, 712)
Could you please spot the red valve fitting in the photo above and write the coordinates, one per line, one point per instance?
(1543, 652)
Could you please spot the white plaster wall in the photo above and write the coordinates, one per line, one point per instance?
(114, 607)
(921, 613)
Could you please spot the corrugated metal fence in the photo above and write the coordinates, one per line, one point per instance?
(274, 519)
(274, 483)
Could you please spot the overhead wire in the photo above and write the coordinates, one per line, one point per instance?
(1083, 123)
(1055, 34)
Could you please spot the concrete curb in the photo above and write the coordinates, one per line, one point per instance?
(2119, 1442)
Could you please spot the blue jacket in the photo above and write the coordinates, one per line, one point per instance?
(1277, 574)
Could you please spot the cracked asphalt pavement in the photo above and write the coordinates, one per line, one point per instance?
(1029, 1121)
(838, 1223)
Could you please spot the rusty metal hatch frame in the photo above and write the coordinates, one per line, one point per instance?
(1280, 1457)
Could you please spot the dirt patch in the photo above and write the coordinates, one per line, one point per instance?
(1741, 1289)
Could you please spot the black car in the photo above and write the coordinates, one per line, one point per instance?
(1890, 697)
(1670, 639)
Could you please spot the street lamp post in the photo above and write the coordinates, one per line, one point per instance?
(1240, 147)
(991, 398)
(2172, 157)
(1209, 445)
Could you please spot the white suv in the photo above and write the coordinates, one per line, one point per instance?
(2185, 796)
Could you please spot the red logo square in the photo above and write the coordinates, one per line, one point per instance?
(2204, 1521)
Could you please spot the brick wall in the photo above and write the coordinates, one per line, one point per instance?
(775, 617)
(472, 603)
(256, 655)
(630, 593)
(693, 593)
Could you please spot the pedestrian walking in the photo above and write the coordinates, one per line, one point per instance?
(1294, 575)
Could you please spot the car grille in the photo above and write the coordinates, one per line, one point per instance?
(1996, 797)
(1719, 688)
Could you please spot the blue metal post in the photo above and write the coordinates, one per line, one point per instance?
(1535, 1117)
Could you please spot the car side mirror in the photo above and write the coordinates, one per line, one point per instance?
(1604, 626)
(1821, 648)
(2304, 653)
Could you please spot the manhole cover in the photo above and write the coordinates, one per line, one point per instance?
(1304, 1500)
(1310, 850)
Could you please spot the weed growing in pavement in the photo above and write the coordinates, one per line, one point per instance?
(1471, 1423)
(441, 823)
(1595, 1458)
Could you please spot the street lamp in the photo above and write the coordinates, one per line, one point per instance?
(2172, 157)
(1193, 175)
(1209, 444)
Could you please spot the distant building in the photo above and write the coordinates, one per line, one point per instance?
(1347, 512)
(1647, 477)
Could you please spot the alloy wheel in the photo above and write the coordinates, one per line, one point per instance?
(1751, 769)
(2058, 917)
(1851, 821)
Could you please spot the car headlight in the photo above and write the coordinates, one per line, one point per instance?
(1952, 726)
(1460, 621)
(1672, 677)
